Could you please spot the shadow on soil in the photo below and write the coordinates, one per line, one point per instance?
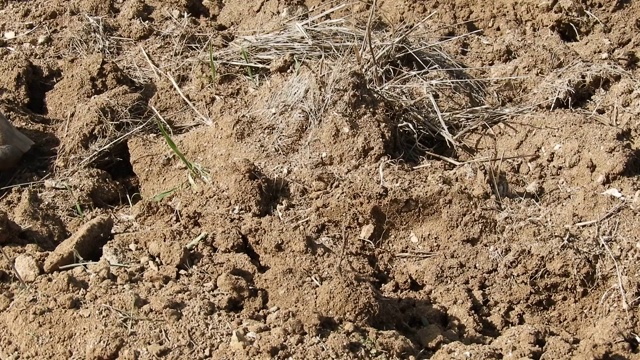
(36, 163)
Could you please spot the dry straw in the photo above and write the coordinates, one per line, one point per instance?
(433, 98)
(566, 87)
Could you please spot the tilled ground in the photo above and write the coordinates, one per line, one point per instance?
(299, 233)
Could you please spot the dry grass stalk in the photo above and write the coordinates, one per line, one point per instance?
(569, 85)
(204, 119)
(115, 123)
(93, 38)
(95, 154)
(175, 85)
(623, 294)
(432, 97)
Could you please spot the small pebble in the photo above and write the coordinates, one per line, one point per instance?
(27, 267)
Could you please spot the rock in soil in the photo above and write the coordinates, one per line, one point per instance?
(235, 290)
(27, 268)
(86, 243)
(13, 144)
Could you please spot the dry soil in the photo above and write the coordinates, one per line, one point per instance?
(313, 235)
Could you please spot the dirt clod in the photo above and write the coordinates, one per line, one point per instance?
(346, 300)
(101, 347)
(85, 243)
(172, 254)
(233, 290)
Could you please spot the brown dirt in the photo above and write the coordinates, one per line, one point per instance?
(322, 239)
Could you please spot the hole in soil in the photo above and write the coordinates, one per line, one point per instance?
(414, 285)
(631, 60)
(633, 344)
(545, 302)
(38, 86)
(415, 322)
(568, 31)
(197, 9)
(117, 162)
(620, 4)
(472, 27)
(583, 91)
(417, 124)
(632, 165)
(613, 356)
(404, 145)
(473, 241)
(540, 344)
(327, 325)
(95, 255)
(380, 221)
(273, 191)
(253, 255)
(354, 347)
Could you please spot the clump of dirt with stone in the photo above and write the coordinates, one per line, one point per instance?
(195, 191)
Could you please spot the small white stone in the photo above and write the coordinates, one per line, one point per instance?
(27, 268)
(43, 39)
(367, 232)
(54, 184)
(110, 254)
(533, 188)
(252, 336)
(614, 193)
(153, 265)
(238, 341)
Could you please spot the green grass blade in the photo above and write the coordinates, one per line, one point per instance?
(174, 147)
(159, 197)
(245, 55)
(77, 206)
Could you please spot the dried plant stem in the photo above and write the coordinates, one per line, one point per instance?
(156, 70)
(204, 119)
(623, 294)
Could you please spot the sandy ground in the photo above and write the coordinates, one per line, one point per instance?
(314, 224)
